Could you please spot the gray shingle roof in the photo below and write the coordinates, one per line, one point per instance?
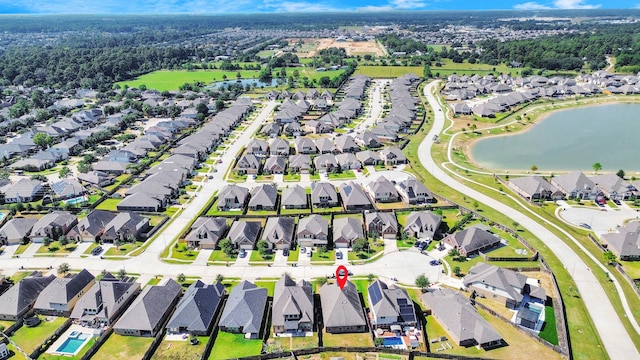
(23, 294)
(279, 230)
(109, 295)
(265, 195)
(195, 310)
(244, 308)
(244, 232)
(294, 195)
(473, 238)
(16, 229)
(292, 298)
(62, 290)
(347, 229)
(341, 307)
(148, 309)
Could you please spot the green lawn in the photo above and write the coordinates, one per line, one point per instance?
(109, 204)
(123, 347)
(172, 79)
(229, 346)
(213, 211)
(219, 255)
(56, 248)
(123, 249)
(362, 286)
(255, 256)
(361, 339)
(30, 338)
(406, 243)
(269, 285)
(299, 342)
(6, 324)
(19, 276)
(347, 174)
(379, 71)
(169, 350)
(293, 256)
(91, 247)
(549, 331)
(325, 256)
(363, 255)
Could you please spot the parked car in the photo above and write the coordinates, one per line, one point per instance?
(96, 251)
(285, 252)
(303, 249)
(585, 225)
(417, 244)
(242, 253)
(435, 262)
(617, 202)
(309, 253)
(339, 255)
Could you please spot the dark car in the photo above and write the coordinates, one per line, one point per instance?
(338, 255)
(617, 202)
(96, 251)
(285, 252)
(242, 253)
(435, 262)
(585, 225)
(417, 244)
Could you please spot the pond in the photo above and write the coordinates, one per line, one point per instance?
(572, 139)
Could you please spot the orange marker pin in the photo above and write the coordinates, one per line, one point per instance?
(341, 276)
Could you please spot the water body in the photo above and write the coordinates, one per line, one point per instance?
(572, 139)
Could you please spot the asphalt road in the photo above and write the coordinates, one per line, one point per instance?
(616, 340)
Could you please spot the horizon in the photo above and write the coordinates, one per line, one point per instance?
(222, 7)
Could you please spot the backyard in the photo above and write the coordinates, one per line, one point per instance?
(229, 346)
(168, 350)
(29, 338)
(123, 347)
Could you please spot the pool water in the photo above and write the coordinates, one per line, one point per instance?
(77, 200)
(72, 345)
(391, 341)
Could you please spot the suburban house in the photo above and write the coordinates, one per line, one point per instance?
(368, 157)
(67, 189)
(625, 243)
(53, 225)
(348, 161)
(263, 197)
(353, 197)
(381, 224)
(294, 197)
(325, 163)
(257, 147)
(248, 164)
(96, 178)
(125, 226)
(244, 234)
(305, 145)
(576, 185)
(105, 301)
(472, 240)
(142, 202)
(61, 295)
(244, 310)
(535, 188)
(614, 187)
(274, 165)
(292, 310)
(300, 163)
(16, 231)
(393, 156)
(345, 231)
(279, 147)
(459, 318)
(16, 302)
(278, 232)
(232, 197)
(25, 190)
(342, 311)
(92, 226)
(313, 230)
(196, 310)
(391, 307)
(206, 232)
(382, 190)
(423, 224)
(323, 195)
(149, 310)
(345, 144)
(414, 192)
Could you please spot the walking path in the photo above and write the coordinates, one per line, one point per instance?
(616, 340)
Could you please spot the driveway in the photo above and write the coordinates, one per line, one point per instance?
(601, 222)
(279, 259)
(80, 249)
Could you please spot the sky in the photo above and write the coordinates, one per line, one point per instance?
(253, 6)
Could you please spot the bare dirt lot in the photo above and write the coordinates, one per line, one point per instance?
(352, 47)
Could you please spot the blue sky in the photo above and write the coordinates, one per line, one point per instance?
(252, 6)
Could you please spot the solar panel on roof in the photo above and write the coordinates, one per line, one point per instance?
(402, 302)
(374, 292)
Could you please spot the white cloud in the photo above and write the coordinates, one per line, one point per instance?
(530, 6)
(295, 6)
(396, 5)
(574, 4)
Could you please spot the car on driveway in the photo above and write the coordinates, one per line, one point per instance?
(435, 262)
(617, 202)
(242, 253)
(303, 250)
(417, 244)
(585, 225)
(309, 253)
(96, 250)
(339, 255)
(285, 252)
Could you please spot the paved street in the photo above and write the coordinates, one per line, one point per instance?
(613, 334)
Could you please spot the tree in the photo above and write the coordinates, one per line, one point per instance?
(426, 70)
(219, 278)
(515, 225)
(596, 167)
(42, 140)
(181, 278)
(84, 167)
(263, 247)
(122, 273)
(227, 246)
(454, 252)
(610, 257)
(46, 241)
(457, 271)
(475, 204)
(64, 241)
(620, 174)
(534, 168)
(64, 172)
(360, 245)
(63, 268)
(422, 281)
(321, 280)
(370, 277)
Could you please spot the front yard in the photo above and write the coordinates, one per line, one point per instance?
(374, 248)
(123, 347)
(123, 249)
(229, 346)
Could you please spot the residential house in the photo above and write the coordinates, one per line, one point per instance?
(460, 319)
(614, 187)
(111, 167)
(105, 301)
(149, 311)
(263, 197)
(125, 226)
(325, 146)
(368, 157)
(142, 202)
(323, 195)
(346, 144)
(391, 307)
(16, 302)
(348, 161)
(196, 311)
(325, 163)
(382, 190)
(271, 129)
(53, 225)
(472, 240)
(244, 310)
(248, 164)
(244, 234)
(232, 197)
(625, 243)
(393, 156)
(257, 147)
(96, 178)
(293, 309)
(413, 192)
(278, 232)
(576, 185)
(25, 190)
(368, 140)
(381, 224)
(279, 147)
(16, 231)
(505, 286)
(346, 230)
(342, 311)
(423, 224)
(92, 226)
(274, 165)
(294, 197)
(300, 163)
(305, 145)
(535, 188)
(61, 295)
(313, 230)
(354, 197)
(206, 232)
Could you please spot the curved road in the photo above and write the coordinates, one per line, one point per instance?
(617, 342)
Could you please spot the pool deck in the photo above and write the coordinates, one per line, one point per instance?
(52, 349)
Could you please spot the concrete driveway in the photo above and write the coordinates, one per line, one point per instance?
(601, 222)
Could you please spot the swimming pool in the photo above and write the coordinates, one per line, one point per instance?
(392, 341)
(72, 344)
(77, 200)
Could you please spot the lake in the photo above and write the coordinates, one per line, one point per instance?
(572, 139)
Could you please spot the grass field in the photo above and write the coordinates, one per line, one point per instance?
(109, 204)
(123, 347)
(229, 346)
(168, 350)
(549, 331)
(379, 71)
(361, 339)
(30, 338)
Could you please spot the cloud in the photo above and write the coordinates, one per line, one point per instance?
(574, 4)
(396, 5)
(530, 6)
(296, 6)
